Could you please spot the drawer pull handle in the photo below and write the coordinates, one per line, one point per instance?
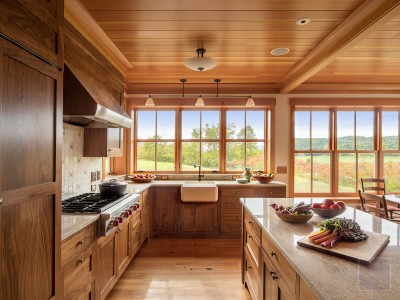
(249, 267)
(81, 261)
(81, 242)
(250, 222)
(273, 254)
(250, 236)
(274, 275)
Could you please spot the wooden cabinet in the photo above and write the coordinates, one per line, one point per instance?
(77, 256)
(270, 192)
(198, 217)
(135, 231)
(102, 142)
(165, 210)
(106, 264)
(122, 246)
(145, 215)
(30, 154)
(231, 209)
(305, 292)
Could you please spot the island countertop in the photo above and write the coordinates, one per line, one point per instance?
(330, 277)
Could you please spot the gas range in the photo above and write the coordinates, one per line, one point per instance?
(112, 210)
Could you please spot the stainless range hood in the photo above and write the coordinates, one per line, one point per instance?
(87, 103)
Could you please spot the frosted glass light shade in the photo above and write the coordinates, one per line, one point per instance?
(199, 102)
(250, 102)
(149, 101)
(200, 63)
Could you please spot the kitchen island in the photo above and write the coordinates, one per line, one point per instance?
(273, 263)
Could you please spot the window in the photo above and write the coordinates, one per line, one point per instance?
(391, 150)
(363, 143)
(221, 140)
(155, 147)
(312, 156)
(200, 140)
(245, 133)
(355, 148)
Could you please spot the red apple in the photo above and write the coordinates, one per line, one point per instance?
(316, 205)
(328, 202)
(335, 207)
(324, 206)
(341, 204)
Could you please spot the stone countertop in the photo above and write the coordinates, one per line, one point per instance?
(328, 276)
(72, 223)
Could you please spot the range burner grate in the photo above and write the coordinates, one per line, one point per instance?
(89, 203)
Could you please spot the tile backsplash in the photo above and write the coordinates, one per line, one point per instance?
(76, 169)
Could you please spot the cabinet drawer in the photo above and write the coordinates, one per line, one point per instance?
(135, 217)
(80, 290)
(251, 275)
(78, 268)
(237, 192)
(135, 238)
(251, 222)
(287, 275)
(271, 192)
(231, 224)
(79, 242)
(253, 243)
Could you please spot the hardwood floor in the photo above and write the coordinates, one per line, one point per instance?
(183, 269)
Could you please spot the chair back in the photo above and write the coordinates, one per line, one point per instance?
(373, 185)
(374, 203)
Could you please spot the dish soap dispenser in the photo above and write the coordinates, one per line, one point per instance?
(247, 174)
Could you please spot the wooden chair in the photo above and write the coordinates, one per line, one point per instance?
(373, 185)
(376, 204)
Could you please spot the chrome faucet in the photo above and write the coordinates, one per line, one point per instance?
(199, 176)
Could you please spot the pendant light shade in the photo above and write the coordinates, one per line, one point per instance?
(250, 102)
(200, 63)
(199, 101)
(149, 101)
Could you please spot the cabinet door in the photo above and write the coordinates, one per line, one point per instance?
(165, 209)
(207, 217)
(269, 284)
(145, 215)
(106, 264)
(30, 168)
(122, 244)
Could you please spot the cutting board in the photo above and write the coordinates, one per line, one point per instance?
(363, 252)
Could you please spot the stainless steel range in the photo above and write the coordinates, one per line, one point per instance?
(112, 211)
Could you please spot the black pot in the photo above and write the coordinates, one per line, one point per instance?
(112, 188)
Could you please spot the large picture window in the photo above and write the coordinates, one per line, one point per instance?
(220, 140)
(335, 148)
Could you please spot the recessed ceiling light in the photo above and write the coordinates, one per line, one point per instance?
(303, 21)
(280, 51)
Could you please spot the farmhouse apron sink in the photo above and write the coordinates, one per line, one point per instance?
(199, 191)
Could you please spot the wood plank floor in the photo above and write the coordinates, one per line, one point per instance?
(183, 269)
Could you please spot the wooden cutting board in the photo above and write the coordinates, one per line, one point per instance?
(363, 252)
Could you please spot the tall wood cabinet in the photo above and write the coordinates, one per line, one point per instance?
(30, 148)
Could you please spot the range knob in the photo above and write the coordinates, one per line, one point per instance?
(137, 205)
(126, 214)
(133, 207)
(129, 211)
(120, 219)
(115, 222)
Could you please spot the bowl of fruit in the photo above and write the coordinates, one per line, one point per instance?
(299, 213)
(328, 208)
(142, 178)
(264, 177)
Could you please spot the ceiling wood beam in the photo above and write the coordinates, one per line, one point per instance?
(366, 19)
(77, 15)
(347, 88)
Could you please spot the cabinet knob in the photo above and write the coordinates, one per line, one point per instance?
(249, 267)
(250, 236)
(81, 242)
(81, 261)
(273, 253)
(1, 201)
(274, 275)
(250, 222)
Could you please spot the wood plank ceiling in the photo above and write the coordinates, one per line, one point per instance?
(351, 43)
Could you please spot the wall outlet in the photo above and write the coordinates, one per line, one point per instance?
(98, 175)
(281, 170)
(93, 188)
(93, 176)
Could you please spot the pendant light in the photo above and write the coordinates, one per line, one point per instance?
(200, 63)
(149, 101)
(199, 101)
(250, 101)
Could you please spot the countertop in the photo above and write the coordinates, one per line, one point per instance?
(72, 223)
(331, 277)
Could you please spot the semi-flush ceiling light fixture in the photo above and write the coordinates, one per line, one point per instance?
(200, 63)
(250, 101)
(149, 101)
(280, 51)
(199, 101)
